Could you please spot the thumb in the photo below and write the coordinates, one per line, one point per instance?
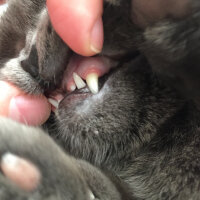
(31, 110)
(79, 24)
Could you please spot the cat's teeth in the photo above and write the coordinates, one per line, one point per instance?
(91, 79)
(53, 102)
(92, 82)
(3, 9)
(78, 81)
(72, 87)
(91, 195)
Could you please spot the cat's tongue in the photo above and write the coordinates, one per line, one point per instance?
(82, 71)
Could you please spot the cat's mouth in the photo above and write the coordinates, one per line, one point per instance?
(84, 77)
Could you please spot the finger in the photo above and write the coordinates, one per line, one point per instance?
(31, 110)
(2, 2)
(79, 23)
(20, 171)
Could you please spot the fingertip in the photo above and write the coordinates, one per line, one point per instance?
(79, 24)
(30, 110)
(96, 37)
(7, 91)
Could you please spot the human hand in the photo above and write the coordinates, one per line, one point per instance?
(31, 110)
(79, 24)
(2, 2)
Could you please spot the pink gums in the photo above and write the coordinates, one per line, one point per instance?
(84, 66)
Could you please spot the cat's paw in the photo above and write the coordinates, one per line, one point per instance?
(60, 176)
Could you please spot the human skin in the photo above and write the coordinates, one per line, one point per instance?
(2, 1)
(17, 105)
(79, 23)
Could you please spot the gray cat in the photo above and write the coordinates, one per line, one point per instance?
(137, 138)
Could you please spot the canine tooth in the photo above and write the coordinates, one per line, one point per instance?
(3, 9)
(78, 81)
(92, 82)
(91, 195)
(53, 102)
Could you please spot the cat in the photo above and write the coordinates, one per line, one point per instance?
(137, 138)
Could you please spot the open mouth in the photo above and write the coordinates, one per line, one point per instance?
(81, 78)
(84, 77)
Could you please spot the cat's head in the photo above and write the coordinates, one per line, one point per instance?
(131, 103)
(168, 40)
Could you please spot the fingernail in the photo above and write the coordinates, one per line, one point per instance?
(13, 111)
(10, 160)
(96, 41)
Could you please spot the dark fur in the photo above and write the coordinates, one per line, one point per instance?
(138, 138)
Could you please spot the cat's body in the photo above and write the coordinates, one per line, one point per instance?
(138, 138)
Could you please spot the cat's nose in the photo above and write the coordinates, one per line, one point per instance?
(147, 12)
